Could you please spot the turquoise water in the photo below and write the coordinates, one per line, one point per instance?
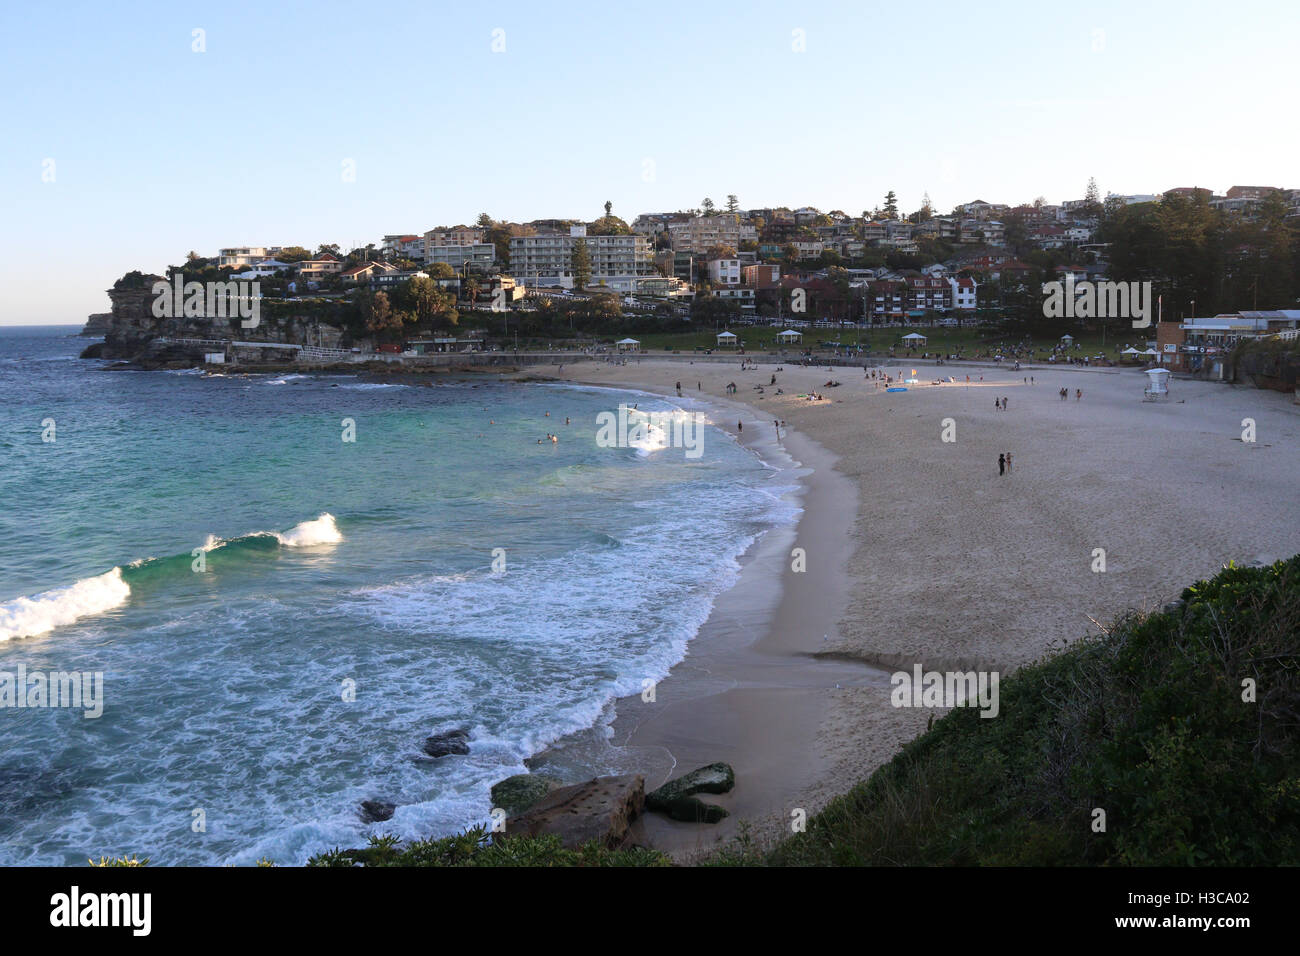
(329, 566)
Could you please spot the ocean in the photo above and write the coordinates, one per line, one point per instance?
(282, 616)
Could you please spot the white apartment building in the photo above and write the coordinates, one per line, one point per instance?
(548, 259)
(963, 293)
(697, 235)
(246, 255)
(477, 257)
(724, 271)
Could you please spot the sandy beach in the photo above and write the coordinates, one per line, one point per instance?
(918, 551)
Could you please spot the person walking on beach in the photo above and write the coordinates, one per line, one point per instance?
(777, 425)
(679, 389)
(1078, 394)
(1008, 463)
(740, 427)
(1002, 464)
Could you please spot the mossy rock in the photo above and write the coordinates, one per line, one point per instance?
(516, 794)
(693, 810)
(714, 778)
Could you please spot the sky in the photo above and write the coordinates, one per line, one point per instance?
(130, 139)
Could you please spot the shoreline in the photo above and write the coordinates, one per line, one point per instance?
(950, 565)
(754, 687)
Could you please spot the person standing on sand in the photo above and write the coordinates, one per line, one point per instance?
(1002, 464)
(740, 427)
(1008, 463)
(1078, 394)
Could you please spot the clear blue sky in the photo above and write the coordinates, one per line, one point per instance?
(158, 150)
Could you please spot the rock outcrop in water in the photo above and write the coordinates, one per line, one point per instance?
(97, 325)
(131, 329)
(601, 810)
(445, 744)
(376, 811)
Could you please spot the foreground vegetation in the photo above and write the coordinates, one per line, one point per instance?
(1183, 727)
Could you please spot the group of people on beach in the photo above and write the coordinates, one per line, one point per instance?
(1065, 393)
(1004, 463)
(1000, 404)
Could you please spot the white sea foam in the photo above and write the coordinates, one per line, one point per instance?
(320, 530)
(29, 616)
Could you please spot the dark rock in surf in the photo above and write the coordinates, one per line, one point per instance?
(376, 811)
(450, 742)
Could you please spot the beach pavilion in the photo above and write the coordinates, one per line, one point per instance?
(628, 345)
(789, 337)
(914, 338)
(1067, 339)
(727, 340)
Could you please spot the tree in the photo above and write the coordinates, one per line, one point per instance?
(440, 270)
(1092, 208)
(581, 264)
(708, 206)
(377, 313)
(733, 204)
(484, 221)
(720, 251)
(608, 207)
(891, 205)
(331, 248)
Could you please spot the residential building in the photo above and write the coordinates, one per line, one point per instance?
(246, 255)
(725, 272)
(472, 257)
(764, 275)
(313, 270)
(964, 292)
(407, 246)
(454, 236)
(697, 234)
(548, 259)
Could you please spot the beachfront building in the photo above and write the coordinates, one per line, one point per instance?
(697, 235)
(1187, 346)
(454, 236)
(914, 340)
(313, 270)
(408, 246)
(617, 262)
(964, 291)
(789, 337)
(727, 340)
(246, 255)
(724, 271)
(628, 345)
(463, 257)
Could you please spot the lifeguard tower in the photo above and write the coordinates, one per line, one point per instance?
(1157, 385)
